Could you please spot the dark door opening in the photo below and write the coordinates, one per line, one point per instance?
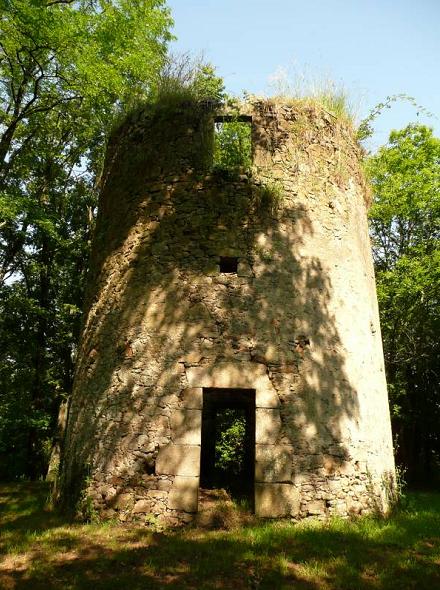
(228, 442)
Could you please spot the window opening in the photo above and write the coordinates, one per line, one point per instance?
(233, 142)
(228, 264)
(228, 442)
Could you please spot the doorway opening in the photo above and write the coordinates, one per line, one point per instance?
(228, 443)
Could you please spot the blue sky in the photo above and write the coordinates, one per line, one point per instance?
(373, 48)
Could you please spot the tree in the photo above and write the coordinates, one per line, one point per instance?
(68, 68)
(405, 226)
(232, 145)
(73, 64)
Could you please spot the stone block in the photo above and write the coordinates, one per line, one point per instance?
(267, 426)
(178, 460)
(266, 397)
(192, 398)
(345, 468)
(184, 494)
(108, 492)
(269, 354)
(142, 506)
(186, 427)
(157, 495)
(273, 463)
(122, 501)
(338, 507)
(163, 485)
(273, 500)
(315, 508)
(145, 443)
(353, 506)
(244, 270)
(330, 464)
(192, 357)
(225, 374)
(243, 375)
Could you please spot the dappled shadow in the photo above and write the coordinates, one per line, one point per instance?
(24, 507)
(159, 307)
(367, 555)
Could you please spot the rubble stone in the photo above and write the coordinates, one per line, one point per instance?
(293, 324)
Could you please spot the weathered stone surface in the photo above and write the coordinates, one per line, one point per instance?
(294, 324)
(162, 485)
(274, 500)
(142, 506)
(266, 397)
(315, 508)
(267, 426)
(244, 269)
(273, 463)
(192, 398)
(179, 460)
(184, 494)
(122, 501)
(186, 426)
(244, 375)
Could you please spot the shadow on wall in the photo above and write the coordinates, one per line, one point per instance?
(158, 305)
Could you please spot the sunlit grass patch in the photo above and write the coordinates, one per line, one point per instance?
(40, 549)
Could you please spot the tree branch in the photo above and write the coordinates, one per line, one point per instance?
(53, 2)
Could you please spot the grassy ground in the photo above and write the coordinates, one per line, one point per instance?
(40, 549)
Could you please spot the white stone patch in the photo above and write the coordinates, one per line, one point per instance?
(267, 426)
(184, 494)
(186, 427)
(192, 398)
(178, 460)
(243, 375)
(274, 500)
(273, 463)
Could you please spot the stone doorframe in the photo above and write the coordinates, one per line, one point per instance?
(275, 494)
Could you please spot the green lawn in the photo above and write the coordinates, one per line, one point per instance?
(40, 549)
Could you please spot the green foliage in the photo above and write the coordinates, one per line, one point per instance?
(85, 508)
(365, 128)
(230, 441)
(185, 81)
(405, 226)
(67, 69)
(233, 145)
(398, 494)
(268, 197)
(293, 85)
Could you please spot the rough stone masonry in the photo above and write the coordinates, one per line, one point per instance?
(296, 322)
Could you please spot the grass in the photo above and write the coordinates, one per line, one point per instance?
(294, 84)
(40, 549)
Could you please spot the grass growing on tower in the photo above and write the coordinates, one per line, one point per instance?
(292, 85)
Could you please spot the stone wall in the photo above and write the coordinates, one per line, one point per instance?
(298, 322)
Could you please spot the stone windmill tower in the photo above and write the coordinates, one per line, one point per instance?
(249, 291)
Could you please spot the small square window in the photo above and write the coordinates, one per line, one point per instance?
(228, 264)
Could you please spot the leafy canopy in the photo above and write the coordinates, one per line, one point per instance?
(405, 226)
(67, 68)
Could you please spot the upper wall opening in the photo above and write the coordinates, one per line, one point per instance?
(232, 142)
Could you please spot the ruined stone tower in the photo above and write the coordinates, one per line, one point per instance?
(210, 289)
